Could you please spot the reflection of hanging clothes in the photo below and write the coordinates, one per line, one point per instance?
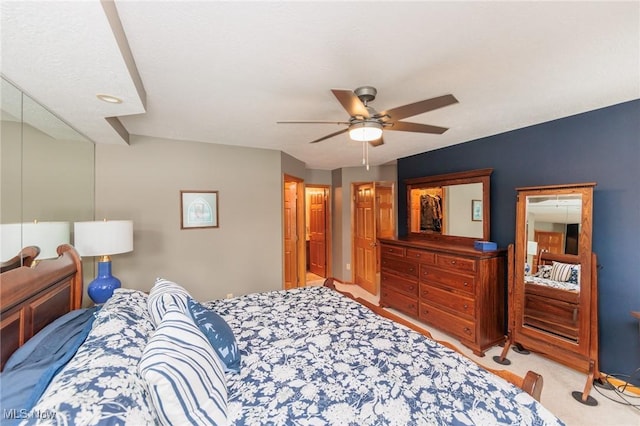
(430, 213)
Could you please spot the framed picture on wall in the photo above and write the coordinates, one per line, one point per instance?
(198, 209)
(476, 210)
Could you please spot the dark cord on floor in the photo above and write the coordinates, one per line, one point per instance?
(623, 396)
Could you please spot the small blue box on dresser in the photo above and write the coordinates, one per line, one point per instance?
(485, 245)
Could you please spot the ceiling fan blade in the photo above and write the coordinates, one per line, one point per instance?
(331, 135)
(420, 107)
(351, 102)
(311, 122)
(377, 142)
(416, 127)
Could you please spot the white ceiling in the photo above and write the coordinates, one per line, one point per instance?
(225, 72)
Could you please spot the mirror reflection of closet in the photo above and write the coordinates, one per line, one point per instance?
(553, 280)
(450, 207)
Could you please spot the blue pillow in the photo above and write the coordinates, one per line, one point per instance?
(218, 333)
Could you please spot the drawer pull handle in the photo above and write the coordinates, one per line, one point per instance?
(453, 262)
(467, 330)
(466, 306)
(466, 284)
(410, 269)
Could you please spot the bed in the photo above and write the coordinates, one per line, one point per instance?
(307, 356)
(552, 295)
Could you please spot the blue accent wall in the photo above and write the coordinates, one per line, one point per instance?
(601, 146)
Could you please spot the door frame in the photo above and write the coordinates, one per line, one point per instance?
(300, 230)
(328, 238)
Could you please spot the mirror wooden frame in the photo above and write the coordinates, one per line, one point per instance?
(582, 353)
(473, 176)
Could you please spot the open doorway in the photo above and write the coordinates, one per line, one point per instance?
(317, 233)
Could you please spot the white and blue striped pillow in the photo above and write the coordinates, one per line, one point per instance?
(561, 271)
(183, 374)
(163, 295)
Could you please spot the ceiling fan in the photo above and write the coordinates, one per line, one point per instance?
(366, 124)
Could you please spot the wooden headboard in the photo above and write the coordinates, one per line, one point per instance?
(546, 258)
(25, 258)
(31, 298)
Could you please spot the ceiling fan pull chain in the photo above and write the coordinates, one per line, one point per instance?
(364, 161)
(366, 147)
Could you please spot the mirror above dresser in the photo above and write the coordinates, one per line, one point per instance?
(452, 207)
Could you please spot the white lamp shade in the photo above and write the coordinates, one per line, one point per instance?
(532, 248)
(10, 240)
(103, 238)
(366, 131)
(47, 236)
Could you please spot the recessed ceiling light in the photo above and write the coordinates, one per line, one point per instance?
(109, 98)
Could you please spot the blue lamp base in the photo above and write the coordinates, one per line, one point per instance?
(101, 289)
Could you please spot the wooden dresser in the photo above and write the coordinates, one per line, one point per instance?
(453, 287)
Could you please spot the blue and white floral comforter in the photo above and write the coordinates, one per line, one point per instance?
(309, 357)
(314, 357)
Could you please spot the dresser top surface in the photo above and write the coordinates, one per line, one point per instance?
(457, 249)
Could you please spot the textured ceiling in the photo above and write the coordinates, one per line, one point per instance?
(226, 72)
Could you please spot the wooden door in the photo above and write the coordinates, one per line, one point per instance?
(365, 253)
(290, 235)
(385, 223)
(317, 232)
(553, 242)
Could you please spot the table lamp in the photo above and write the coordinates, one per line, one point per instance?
(103, 238)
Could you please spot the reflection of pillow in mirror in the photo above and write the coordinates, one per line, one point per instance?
(575, 274)
(544, 271)
(561, 271)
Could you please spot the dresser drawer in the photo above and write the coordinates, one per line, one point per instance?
(392, 250)
(455, 302)
(462, 282)
(450, 323)
(456, 263)
(399, 301)
(400, 266)
(421, 256)
(410, 287)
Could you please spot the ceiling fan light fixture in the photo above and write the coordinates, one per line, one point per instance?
(366, 131)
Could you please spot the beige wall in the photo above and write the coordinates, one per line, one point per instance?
(142, 182)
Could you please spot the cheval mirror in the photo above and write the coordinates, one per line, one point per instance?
(553, 280)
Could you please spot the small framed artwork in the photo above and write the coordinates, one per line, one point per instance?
(198, 209)
(476, 210)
